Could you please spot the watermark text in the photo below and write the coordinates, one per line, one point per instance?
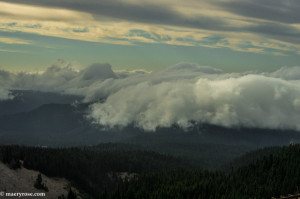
(17, 194)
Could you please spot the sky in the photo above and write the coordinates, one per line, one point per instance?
(231, 35)
(158, 63)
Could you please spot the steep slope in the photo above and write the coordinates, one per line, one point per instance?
(22, 181)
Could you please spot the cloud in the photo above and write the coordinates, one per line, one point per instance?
(142, 12)
(183, 94)
(23, 11)
(249, 100)
(4, 92)
(5, 95)
(12, 51)
(218, 18)
(7, 40)
(278, 31)
(98, 72)
(287, 73)
(64, 77)
(273, 10)
(191, 68)
(81, 30)
(212, 24)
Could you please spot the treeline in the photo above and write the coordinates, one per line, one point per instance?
(269, 176)
(91, 169)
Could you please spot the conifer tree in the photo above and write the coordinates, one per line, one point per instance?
(39, 183)
(71, 194)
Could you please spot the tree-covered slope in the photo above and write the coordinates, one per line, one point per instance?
(268, 176)
(96, 170)
(93, 169)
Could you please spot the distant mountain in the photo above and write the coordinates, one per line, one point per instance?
(26, 100)
(51, 125)
(66, 125)
(69, 122)
(213, 145)
(49, 119)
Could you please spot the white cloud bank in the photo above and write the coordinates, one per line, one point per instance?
(250, 100)
(180, 94)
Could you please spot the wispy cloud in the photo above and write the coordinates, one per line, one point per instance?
(8, 40)
(214, 24)
(22, 11)
(12, 51)
(271, 10)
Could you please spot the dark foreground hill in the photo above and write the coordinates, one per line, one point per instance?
(124, 171)
(91, 169)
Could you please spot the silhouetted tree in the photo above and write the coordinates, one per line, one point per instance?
(71, 194)
(39, 183)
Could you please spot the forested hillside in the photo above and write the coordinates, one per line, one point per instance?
(270, 172)
(268, 176)
(92, 169)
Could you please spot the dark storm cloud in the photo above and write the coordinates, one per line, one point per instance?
(277, 31)
(285, 11)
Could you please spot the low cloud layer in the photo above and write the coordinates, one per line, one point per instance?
(249, 100)
(179, 94)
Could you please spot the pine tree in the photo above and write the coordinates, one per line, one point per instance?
(71, 194)
(61, 197)
(39, 183)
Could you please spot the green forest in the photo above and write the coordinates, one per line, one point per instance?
(262, 174)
